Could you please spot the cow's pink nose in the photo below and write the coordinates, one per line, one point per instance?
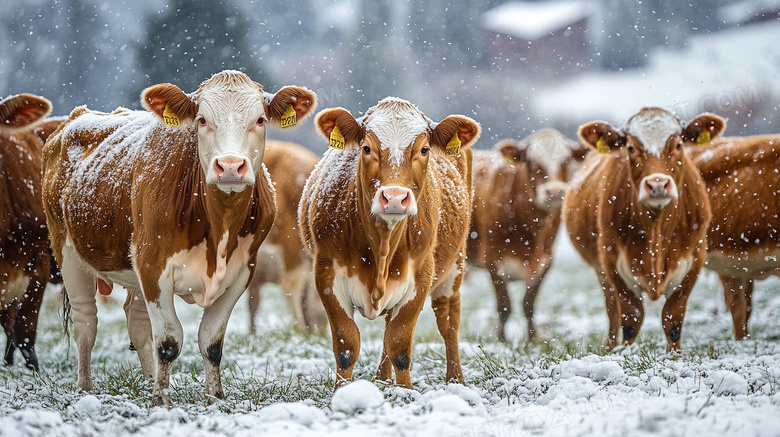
(230, 169)
(394, 200)
(658, 186)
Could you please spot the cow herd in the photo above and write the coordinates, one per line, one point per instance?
(188, 198)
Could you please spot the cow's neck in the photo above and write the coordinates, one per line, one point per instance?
(225, 214)
(660, 232)
(382, 241)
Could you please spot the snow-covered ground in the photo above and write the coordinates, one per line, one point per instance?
(280, 381)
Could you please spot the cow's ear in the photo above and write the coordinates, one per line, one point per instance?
(170, 103)
(705, 127)
(23, 109)
(288, 99)
(349, 130)
(511, 150)
(579, 151)
(601, 136)
(466, 129)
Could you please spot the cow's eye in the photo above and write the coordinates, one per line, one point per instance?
(631, 149)
(366, 150)
(260, 121)
(679, 145)
(424, 151)
(202, 121)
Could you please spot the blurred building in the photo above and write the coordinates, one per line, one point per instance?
(539, 36)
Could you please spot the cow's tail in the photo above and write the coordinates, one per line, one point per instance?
(66, 320)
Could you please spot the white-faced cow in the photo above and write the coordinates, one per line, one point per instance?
(385, 215)
(743, 241)
(282, 256)
(638, 212)
(24, 241)
(519, 189)
(173, 201)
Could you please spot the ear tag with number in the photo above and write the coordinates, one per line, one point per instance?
(453, 146)
(602, 146)
(336, 139)
(289, 118)
(170, 118)
(704, 138)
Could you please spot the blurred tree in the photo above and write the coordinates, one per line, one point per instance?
(194, 39)
(374, 60)
(57, 51)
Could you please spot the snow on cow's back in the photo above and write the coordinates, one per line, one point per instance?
(102, 148)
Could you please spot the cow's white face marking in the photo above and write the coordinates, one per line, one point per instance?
(396, 123)
(231, 132)
(653, 127)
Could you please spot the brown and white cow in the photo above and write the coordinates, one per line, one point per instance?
(170, 201)
(282, 256)
(385, 218)
(24, 241)
(519, 189)
(638, 212)
(743, 241)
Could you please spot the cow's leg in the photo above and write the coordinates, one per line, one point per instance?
(503, 304)
(612, 304)
(293, 285)
(674, 310)
(211, 337)
(385, 371)
(313, 311)
(80, 288)
(344, 331)
(399, 333)
(139, 328)
(529, 301)
(445, 300)
(27, 317)
(632, 313)
(253, 295)
(8, 317)
(167, 334)
(736, 292)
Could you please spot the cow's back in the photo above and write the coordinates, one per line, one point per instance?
(289, 165)
(743, 186)
(93, 164)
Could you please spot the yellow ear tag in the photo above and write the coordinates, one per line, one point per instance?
(289, 118)
(453, 146)
(336, 139)
(704, 138)
(169, 118)
(602, 146)
(509, 160)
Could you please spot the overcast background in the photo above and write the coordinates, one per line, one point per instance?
(513, 66)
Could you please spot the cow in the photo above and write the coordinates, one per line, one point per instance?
(743, 241)
(25, 265)
(638, 212)
(519, 188)
(282, 256)
(169, 201)
(385, 216)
